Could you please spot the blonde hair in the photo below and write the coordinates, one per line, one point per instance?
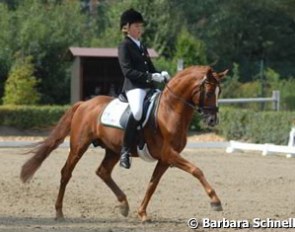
(125, 29)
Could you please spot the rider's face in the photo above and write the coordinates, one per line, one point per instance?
(135, 30)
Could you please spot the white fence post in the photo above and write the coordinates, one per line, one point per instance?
(266, 148)
(291, 142)
(276, 100)
(179, 65)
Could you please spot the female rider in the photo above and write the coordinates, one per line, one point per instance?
(139, 75)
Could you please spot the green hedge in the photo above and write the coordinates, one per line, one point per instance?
(257, 127)
(236, 124)
(30, 117)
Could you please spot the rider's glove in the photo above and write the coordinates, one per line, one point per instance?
(166, 75)
(158, 77)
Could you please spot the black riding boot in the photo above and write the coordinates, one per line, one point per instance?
(129, 138)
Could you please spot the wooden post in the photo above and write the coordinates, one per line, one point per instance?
(75, 81)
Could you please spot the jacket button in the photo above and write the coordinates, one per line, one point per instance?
(142, 54)
(145, 62)
(147, 71)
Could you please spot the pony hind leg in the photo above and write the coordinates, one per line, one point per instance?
(66, 174)
(104, 171)
(185, 165)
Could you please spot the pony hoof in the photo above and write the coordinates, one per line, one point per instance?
(123, 208)
(59, 217)
(216, 206)
(144, 218)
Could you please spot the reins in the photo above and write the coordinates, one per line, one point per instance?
(181, 99)
(201, 108)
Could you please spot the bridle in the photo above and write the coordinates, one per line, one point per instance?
(200, 108)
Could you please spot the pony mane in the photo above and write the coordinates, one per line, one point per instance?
(196, 71)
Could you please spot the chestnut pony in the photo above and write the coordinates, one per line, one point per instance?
(194, 88)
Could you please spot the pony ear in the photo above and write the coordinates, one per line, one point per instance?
(221, 75)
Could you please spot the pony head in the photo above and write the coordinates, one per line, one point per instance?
(206, 93)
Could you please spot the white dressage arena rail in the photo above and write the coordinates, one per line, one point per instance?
(267, 148)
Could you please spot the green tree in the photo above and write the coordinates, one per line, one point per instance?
(161, 28)
(190, 49)
(284, 85)
(6, 50)
(231, 85)
(12, 4)
(245, 32)
(46, 32)
(233, 31)
(20, 87)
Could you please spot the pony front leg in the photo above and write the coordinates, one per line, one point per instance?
(181, 163)
(159, 170)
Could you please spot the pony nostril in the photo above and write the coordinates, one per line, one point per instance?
(212, 121)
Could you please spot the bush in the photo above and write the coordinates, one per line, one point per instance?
(47, 36)
(191, 49)
(232, 123)
(196, 123)
(257, 127)
(285, 86)
(162, 64)
(235, 124)
(231, 84)
(30, 117)
(20, 87)
(233, 88)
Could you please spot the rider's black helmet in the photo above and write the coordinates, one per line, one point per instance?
(130, 16)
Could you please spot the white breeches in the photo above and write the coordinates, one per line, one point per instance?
(135, 98)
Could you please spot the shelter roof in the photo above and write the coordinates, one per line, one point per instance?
(102, 52)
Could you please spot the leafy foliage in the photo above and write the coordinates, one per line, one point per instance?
(31, 117)
(247, 125)
(257, 127)
(224, 33)
(45, 32)
(161, 27)
(190, 49)
(20, 87)
(243, 32)
(6, 52)
(232, 87)
(231, 84)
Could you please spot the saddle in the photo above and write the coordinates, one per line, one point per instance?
(117, 112)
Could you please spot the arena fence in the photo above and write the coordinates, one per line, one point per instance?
(266, 149)
(275, 99)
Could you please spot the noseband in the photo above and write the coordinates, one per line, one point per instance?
(200, 108)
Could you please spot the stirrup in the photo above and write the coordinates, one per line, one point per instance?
(125, 160)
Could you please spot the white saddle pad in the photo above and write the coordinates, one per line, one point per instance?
(113, 112)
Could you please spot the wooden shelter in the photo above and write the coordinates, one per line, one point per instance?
(96, 71)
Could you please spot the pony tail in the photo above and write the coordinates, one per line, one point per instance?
(43, 149)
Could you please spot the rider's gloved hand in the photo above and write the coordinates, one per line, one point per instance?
(158, 77)
(166, 75)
